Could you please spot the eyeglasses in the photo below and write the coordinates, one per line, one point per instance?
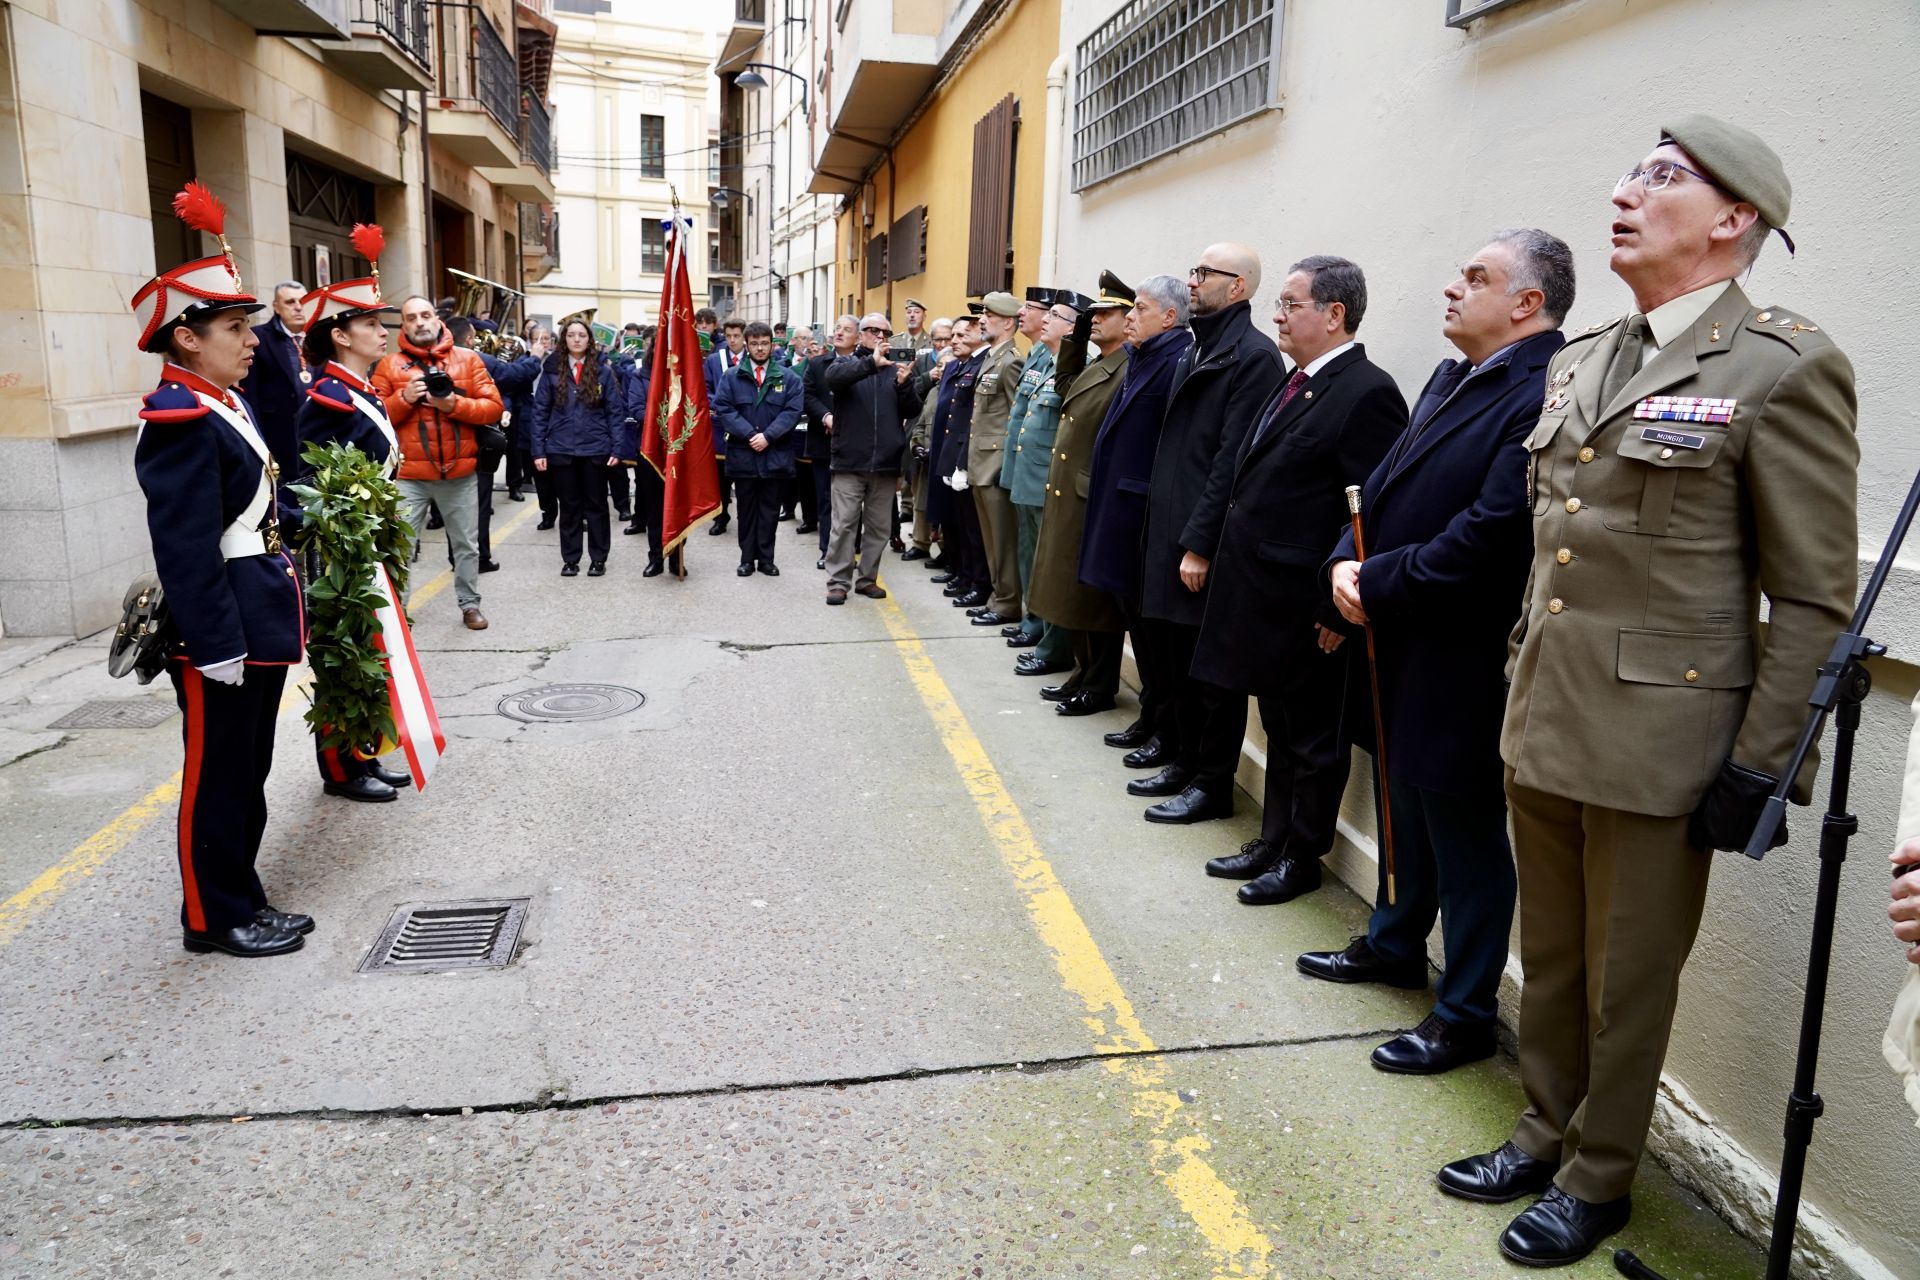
(1200, 275)
(1288, 306)
(1656, 176)
(876, 332)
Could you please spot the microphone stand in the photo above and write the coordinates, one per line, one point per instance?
(1841, 686)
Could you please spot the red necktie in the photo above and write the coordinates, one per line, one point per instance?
(759, 375)
(576, 375)
(1292, 389)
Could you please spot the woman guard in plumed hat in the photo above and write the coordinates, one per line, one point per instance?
(232, 591)
(345, 337)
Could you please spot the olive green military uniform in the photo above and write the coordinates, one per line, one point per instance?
(1723, 469)
(986, 444)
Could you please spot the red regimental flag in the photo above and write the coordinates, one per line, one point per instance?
(677, 437)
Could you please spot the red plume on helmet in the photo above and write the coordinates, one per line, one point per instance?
(202, 286)
(368, 240)
(200, 209)
(345, 299)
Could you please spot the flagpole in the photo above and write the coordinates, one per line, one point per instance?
(677, 558)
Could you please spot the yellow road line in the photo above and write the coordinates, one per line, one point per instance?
(1237, 1245)
(90, 854)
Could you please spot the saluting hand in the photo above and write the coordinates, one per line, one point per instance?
(1346, 592)
(1905, 911)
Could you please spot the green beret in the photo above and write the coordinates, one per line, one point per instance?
(1002, 304)
(1743, 165)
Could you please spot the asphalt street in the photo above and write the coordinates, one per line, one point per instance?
(844, 957)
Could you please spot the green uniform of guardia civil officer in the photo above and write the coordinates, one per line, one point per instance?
(1689, 457)
(1023, 474)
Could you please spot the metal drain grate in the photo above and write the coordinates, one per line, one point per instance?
(427, 937)
(117, 713)
(565, 703)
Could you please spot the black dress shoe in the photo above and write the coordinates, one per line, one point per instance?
(1058, 692)
(1255, 857)
(654, 569)
(942, 578)
(489, 566)
(1498, 1176)
(744, 571)
(1361, 963)
(1436, 1046)
(1191, 806)
(1154, 754)
(569, 570)
(991, 619)
(821, 563)
(719, 526)
(769, 568)
(915, 553)
(1170, 781)
(546, 522)
(1017, 629)
(786, 514)
(514, 495)
(977, 610)
(1137, 734)
(954, 590)
(809, 527)
(1558, 1229)
(1022, 641)
(291, 921)
(1084, 702)
(632, 529)
(1284, 881)
(365, 788)
(975, 599)
(939, 564)
(392, 777)
(249, 940)
(598, 569)
(1029, 664)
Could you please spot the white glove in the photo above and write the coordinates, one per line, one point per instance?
(226, 672)
(958, 480)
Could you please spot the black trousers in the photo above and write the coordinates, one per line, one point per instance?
(1155, 707)
(337, 764)
(823, 500)
(1096, 661)
(757, 516)
(517, 468)
(542, 483)
(1306, 766)
(720, 465)
(483, 480)
(649, 503)
(810, 497)
(620, 482)
(228, 734)
(1209, 722)
(581, 486)
(967, 552)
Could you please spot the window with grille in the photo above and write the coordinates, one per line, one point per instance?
(1159, 75)
(653, 146)
(653, 247)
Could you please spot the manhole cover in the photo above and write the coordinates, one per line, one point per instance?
(117, 713)
(561, 703)
(427, 937)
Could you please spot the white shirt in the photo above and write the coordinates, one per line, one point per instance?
(1673, 318)
(1322, 361)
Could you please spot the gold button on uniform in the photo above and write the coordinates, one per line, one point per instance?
(1587, 455)
(1564, 556)
(1554, 605)
(1665, 454)
(1764, 316)
(1692, 675)
(1573, 505)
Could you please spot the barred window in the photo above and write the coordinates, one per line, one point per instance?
(1158, 75)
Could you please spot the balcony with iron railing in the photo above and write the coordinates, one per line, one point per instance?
(536, 134)
(391, 45)
(477, 82)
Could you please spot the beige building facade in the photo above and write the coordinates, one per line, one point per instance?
(636, 120)
(1380, 131)
(304, 118)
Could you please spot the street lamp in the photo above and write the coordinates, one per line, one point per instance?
(750, 78)
(720, 195)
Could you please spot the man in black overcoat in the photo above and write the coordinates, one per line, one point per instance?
(1449, 539)
(276, 385)
(1269, 630)
(1218, 387)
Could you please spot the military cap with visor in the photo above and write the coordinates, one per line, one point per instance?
(1114, 292)
(193, 290)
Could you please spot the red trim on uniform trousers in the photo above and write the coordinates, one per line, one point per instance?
(193, 683)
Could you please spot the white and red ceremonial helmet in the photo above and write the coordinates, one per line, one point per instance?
(345, 299)
(197, 288)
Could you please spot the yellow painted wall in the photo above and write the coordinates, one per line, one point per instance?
(933, 166)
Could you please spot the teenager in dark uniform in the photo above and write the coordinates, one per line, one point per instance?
(344, 339)
(232, 591)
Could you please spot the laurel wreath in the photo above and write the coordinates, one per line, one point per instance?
(352, 526)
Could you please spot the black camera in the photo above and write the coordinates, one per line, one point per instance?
(439, 383)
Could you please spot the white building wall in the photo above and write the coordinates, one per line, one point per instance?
(1402, 144)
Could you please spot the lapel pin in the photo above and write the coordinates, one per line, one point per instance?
(1715, 335)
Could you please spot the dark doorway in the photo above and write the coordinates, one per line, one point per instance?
(452, 245)
(169, 133)
(322, 205)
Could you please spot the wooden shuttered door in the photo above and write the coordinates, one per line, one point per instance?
(877, 261)
(907, 244)
(990, 231)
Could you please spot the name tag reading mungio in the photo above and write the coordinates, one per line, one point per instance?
(1676, 439)
(1685, 409)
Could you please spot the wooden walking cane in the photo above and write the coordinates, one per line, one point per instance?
(1379, 723)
